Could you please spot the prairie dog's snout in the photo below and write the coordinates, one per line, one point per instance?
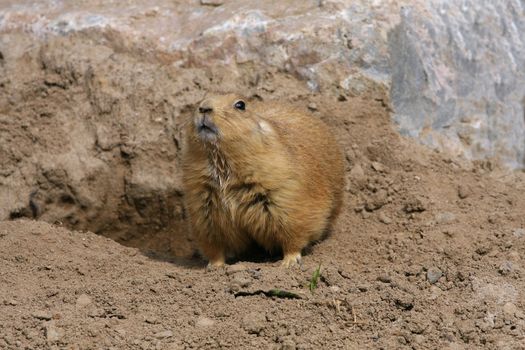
(205, 127)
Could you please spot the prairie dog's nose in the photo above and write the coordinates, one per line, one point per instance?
(205, 107)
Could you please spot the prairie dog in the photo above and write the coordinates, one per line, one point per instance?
(259, 172)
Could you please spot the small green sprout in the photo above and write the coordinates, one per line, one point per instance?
(315, 279)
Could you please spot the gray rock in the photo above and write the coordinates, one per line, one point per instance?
(434, 274)
(445, 218)
(506, 267)
(519, 232)
(456, 77)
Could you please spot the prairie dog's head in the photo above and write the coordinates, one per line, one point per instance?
(227, 118)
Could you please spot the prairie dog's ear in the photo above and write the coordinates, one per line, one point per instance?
(264, 127)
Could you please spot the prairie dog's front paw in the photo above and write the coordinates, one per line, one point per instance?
(292, 260)
(214, 264)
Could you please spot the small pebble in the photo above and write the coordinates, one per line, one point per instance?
(231, 269)
(434, 274)
(254, 322)
(464, 191)
(384, 218)
(163, 334)
(363, 287)
(42, 315)
(519, 232)
(335, 289)
(213, 3)
(384, 278)
(83, 300)
(380, 168)
(505, 268)
(509, 309)
(312, 106)
(53, 333)
(151, 320)
(204, 322)
(288, 344)
(242, 281)
(445, 218)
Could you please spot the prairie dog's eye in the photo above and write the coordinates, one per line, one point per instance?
(240, 105)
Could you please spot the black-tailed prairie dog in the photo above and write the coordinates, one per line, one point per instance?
(259, 171)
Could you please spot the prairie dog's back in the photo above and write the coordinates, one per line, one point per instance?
(315, 153)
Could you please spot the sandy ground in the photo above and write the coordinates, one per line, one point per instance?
(427, 254)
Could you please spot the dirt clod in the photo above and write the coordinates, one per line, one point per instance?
(254, 322)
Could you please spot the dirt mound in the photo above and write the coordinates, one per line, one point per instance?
(426, 254)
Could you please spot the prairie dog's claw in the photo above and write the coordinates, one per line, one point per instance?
(215, 264)
(292, 260)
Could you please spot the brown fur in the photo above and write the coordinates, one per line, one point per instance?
(272, 175)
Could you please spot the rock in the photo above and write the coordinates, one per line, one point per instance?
(363, 287)
(213, 3)
(42, 315)
(380, 168)
(519, 232)
(335, 289)
(242, 281)
(312, 106)
(435, 293)
(288, 344)
(232, 269)
(204, 322)
(83, 300)
(505, 268)
(53, 333)
(163, 334)
(464, 191)
(377, 200)
(357, 176)
(509, 309)
(419, 339)
(151, 320)
(404, 301)
(384, 218)
(514, 256)
(414, 205)
(431, 37)
(434, 274)
(95, 313)
(384, 278)
(445, 218)
(254, 322)
(483, 249)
